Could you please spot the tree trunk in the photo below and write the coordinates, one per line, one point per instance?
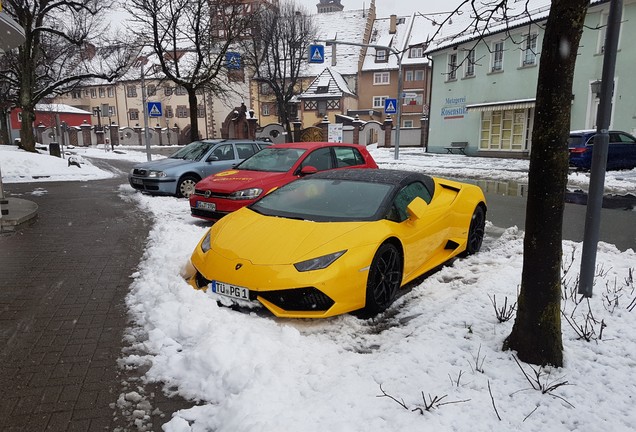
(27, 137)
(5, 136)
(536, 334)
(194, 117)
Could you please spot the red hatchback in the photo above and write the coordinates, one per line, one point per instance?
(222, 193)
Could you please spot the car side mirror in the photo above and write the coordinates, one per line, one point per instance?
(212, 158)
(417, 208)
(306, 170)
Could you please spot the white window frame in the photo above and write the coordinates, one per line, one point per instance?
(469, 67)
(416, 52)
(497, 56)
(380, 56)
(265, 109)
(452, 67)
(602, 31)
(407, 124)
(378, 101)
(529, 51)
(381, 78)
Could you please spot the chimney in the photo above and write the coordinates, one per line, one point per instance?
(393, 25)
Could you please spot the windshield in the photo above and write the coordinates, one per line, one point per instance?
(326, 200)
(272, 159)
(193, 151)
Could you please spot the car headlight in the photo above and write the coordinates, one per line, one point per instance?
(152, 173)
(246, 194)
(205, 244)
(318, 263)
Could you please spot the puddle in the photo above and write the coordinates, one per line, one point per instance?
(513, 188)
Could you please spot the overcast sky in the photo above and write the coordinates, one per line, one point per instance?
(388, 7)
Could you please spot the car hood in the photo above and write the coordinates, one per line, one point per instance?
(265, 240)
(163, 164)
(232, 180)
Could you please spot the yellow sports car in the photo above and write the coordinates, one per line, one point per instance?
(338, 241)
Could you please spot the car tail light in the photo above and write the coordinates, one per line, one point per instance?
(578, 150)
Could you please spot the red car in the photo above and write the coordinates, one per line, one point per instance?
(222, 193)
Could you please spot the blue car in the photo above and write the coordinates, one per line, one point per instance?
(178, 173)
(621, 151)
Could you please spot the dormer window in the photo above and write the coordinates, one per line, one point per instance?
(381, 56)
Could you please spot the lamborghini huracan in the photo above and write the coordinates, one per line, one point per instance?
(338, 241)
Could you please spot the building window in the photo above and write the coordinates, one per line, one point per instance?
(378, 101)
(333, 104)
(200, 111)
(407, 123)
(417, 100)
(310, 105)
(497, 56)
(93, 93)
(266, 89)
(452, 66)
(182, 111)
(76, 94)
(180, 91)
(414, 75)
(151, 90)
(131, 91)
(167, 91)
(111, 111)
(381, 78)
(169, 113)
(470, 64)
(97, 112)
(133, 114)
(503, 130)
(416, 52)
(110, 92)
(102, 92)
(265, 109)
(381, 56)
(529, 53)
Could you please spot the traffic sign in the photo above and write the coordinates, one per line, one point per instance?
(316, 54)
(233, 60)
(154, 109)
(390, 106)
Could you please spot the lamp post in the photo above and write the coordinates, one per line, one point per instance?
(398, 56)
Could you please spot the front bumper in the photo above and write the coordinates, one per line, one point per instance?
(165, 186)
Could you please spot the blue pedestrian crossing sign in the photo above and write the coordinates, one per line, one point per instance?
(316, 54)
(154, 109)
(390, 106)
(233, 60)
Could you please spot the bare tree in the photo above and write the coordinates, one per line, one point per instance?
(280, 43)
(191, 39)
(536, 334)
(57, 54)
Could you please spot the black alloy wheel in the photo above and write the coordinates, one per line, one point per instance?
(476, 231)
(385, 278)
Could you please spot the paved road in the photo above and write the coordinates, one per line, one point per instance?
(63, 281)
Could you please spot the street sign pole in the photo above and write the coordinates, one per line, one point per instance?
(145, 104)
(599, 156)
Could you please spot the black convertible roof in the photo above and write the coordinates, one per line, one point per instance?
(397, 178)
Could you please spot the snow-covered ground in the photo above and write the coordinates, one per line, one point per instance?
(433, 361)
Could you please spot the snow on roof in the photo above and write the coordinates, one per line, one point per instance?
(60, 108)
(461, 27)
(410, 31)
(328, 84)
(346, 26)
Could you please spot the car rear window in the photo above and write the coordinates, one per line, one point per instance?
(576, 141)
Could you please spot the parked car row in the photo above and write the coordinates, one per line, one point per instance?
(312, 230)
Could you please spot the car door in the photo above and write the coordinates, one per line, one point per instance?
(622, 151)
(421, 237)
(320, 159)
(223, 157)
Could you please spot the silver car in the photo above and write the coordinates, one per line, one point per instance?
(178, 173)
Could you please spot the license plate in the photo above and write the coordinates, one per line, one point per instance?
(137, 181)
(206, 205)
(228, 290)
